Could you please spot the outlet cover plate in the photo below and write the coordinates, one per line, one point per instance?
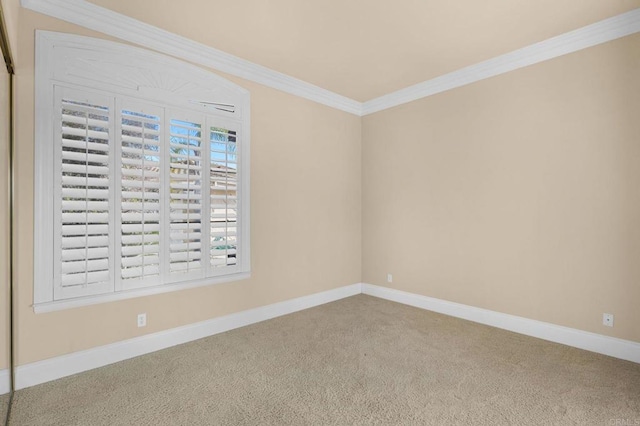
(142, 320)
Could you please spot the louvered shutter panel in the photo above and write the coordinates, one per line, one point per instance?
(224, 198)
(185, 197)
(141, 230)
(82, 206)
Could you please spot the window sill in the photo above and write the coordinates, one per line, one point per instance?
(77, 302)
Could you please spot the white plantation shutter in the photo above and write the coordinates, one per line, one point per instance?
(140, 188)
(83, 209)
(141, 174)
(224, 198)
(185, 200)
(146, 195)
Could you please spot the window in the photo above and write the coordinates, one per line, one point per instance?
(141, 177)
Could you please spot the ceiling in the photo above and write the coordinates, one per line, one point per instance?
(363, 49)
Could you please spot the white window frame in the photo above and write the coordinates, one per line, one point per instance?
(126, 72)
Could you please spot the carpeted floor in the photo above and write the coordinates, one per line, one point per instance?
(4, 405)
(359, 360)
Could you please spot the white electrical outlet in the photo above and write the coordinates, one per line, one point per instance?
(142, 320)
(607, 319)
(389, 278)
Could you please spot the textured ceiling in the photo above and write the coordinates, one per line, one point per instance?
(367, 48)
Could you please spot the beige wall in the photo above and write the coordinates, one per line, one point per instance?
(10, 11)
(4, 217)
(516, 194)
(520, 193)
(305, 211)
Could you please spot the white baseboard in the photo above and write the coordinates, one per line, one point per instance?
(5, 381)
(618, 348)
(54, 368)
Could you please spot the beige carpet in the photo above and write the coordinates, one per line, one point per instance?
(360, 360)
(4, 405)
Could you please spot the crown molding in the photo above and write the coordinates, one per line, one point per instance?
(572, 41)
(93, 17)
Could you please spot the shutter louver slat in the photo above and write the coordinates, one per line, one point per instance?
(84, 132)
(179, 146)
(136, 273)
(85, 242)
(82, 168)
(186, 236)
(138, 260)
(186, 185)
(185, 196)
(140, 141)
(140, 217)
(184, 225)
(182, 216)
(82, 120)
(148, 184)
(149, 120)
(134, 171)
(70, 143)
(221, 261)
(85, 278)
(85, 265)
(184, 256)
(85, 194)
(185, 266)
(85, 229)
(83, 157)
(137, 240)
(83, 109)
(134, 207)
(85, 253)
(140, 194)
(218, 252)
(190, 198)
(95, 206)
(84, 181)
(177, 168)
(84, 191)
(140, 249)
(223, 233)
(82, 217)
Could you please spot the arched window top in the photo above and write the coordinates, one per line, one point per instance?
(136, 72)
